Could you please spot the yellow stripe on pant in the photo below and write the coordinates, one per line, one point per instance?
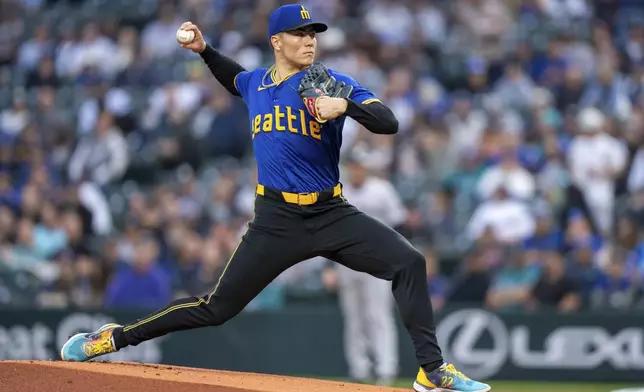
(191, 304)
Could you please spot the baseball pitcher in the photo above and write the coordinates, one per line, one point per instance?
(297, 109)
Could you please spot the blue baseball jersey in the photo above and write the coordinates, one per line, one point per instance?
(294, 152)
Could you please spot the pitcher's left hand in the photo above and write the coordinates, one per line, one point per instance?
(331, 108)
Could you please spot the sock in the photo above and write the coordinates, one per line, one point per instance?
(430, 367)
(117, 338)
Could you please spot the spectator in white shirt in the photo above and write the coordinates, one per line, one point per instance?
(158, 38)
(564, 11)
(35, 49)
(390, 21)
(636, 176)
(96, 50)
(398, 90)
(367, 302)
(466, 125)
(595, 160)
(102, 157)
(68, 54)
(126, 47)
(431, 22)
(487, 23)
(510, 221)
(178, 99)
(509, 173)
(15, 119)
(635, 44)
(515, 88)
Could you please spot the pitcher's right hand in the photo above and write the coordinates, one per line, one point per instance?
(197, 45)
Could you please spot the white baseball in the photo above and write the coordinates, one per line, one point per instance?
(185, 36)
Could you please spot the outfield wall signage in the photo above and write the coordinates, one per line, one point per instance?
(483, 344)
(489, 345)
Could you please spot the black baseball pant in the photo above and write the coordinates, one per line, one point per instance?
(283, 234)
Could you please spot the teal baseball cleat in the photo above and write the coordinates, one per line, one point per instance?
(447, 379)
(85, 346)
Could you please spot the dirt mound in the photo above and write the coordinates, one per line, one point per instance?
(34, 376)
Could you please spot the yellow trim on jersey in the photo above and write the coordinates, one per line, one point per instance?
(196, 303)
(370, 100)
(274, 76)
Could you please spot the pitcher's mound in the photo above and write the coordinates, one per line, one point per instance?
(34, 376)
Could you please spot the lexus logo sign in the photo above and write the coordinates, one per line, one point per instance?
(572, 347)
(458, 334)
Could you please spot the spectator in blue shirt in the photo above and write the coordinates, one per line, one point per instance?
(545, 237)
(143, 284)
(615, 288)
(189, 264)
(635, 260)
(549, 68)
(49, 235)
(511, 287)
(584, 270)
(579, 234)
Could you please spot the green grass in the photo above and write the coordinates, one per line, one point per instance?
(521, 386)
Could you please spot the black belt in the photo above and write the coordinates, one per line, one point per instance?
(302, 199)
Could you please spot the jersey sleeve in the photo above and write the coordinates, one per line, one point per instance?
(241, 82)
(360, 94)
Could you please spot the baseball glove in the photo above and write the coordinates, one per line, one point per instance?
(318, 82)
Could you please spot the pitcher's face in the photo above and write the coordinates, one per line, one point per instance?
(297, 46)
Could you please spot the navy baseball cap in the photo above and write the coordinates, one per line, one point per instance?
(292, 17)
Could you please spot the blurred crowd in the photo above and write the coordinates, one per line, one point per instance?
(128, 177)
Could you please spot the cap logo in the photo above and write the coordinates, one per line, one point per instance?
(305, 14)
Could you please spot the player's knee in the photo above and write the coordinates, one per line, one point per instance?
(410, 261)
(218, 314)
